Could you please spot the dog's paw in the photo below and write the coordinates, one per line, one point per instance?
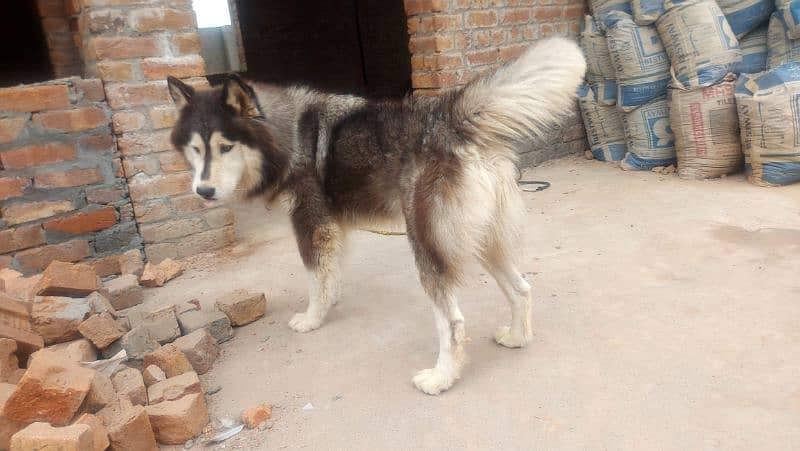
(302, 322)
(504, 337)
(433, 381)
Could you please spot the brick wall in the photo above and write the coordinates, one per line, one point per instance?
(451, 41)
(60, 26)
(132, 45)
(62, 192)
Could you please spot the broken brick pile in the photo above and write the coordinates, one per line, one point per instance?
(56, 394)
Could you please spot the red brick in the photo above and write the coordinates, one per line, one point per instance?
(101, 330)
(175, 422)
(156, 19)
(23, 212)
(128, 426)
(477, 19)
(11, 128)
(57, 318)
(174, 387)
(129, 383)
(254, 416)
(160, 186)
(414, 7)
(438, 23)
(165, 231)
(128, 121)
(37, 155)
(106, 21)
(86, 221)
(180, 67)
(242, 307)
(191, 245)
(516, 16)
(483, 56)
(105, 195)
(115, 70)
(51, 390)
(434, 80)
(170, 359)
(141, 164)
(121, 47)
(42, 436)
(430, 44)
(573, 11)
(548, 13)
(121, 96)
(156, 210)
(13, 187)
(67, 279)
(74, 120)
(68, 178)
(163, 117)
(144, 142)
(33, 260)
(173, 161)
(509, 53)
(99, 433)
(34, 98)
(158, 275)
(130, 262)
(92, 89)
(200, 348)
(15, 324)
(98, 143)
(20, 238)
(186, 43)
(105, 266)
(188, 203)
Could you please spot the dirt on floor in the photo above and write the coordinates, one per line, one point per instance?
(666, 315)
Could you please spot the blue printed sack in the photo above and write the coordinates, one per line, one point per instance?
(769, 118)
(699, 41)
(649, 136)
(600, 8)
(603, 124)
(646, 12)
(754, 51)
(639, 59)
(781, 47)
(745, 15)
(790, 11)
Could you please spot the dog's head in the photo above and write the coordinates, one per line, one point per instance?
(221, 133)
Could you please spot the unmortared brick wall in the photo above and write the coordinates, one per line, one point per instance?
(452, 41)
(63, 195)
(133, 45)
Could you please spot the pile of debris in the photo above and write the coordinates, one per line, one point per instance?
(86, 365)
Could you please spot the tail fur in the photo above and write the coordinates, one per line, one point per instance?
(525, 98)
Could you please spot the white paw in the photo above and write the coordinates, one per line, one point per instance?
(504, 337)
(433, 381)
(302, 322)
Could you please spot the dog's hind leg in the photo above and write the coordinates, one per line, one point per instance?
(498, 261)
(320, 241)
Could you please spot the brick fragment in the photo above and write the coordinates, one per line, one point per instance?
(162, 323)
(200, 348)
(123, 292)
(9, 362)
(175, 422)
(101, 304)
(128, 427)
(56, 318)
(170, 359)
(137, 343)
(42, 436)
(253, 417)
(8, 427)
(153, 375)
(51, 390)
(19, 213)
(158, 275)
(101, 330)
(15, 324)
(68, 279)
(179, 67)
(101, 394)
(130, 262)
(243, 307)
(217, 323)
(38, 258)
(86, 221)
(174, 388)
(129, 382)
(77, 351)
(20, 238)
(99, 433)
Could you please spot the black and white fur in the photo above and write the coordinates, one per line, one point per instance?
(444, 166)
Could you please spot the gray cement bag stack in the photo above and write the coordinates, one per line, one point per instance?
(754, 51)
(640, 62)
(649, 137)
(706, 128)
(699, 41)
(603, 124)
(782, 48)
(742, 15)
(769, 117)
(789, 10)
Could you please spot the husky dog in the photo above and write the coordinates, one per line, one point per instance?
(445, 166)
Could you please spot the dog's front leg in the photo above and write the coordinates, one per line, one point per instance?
(320, 241)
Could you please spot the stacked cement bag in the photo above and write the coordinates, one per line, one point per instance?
(754, 51)
(699, 41)
(640, 62)
(599, 69)
(770, 124)
(782, 48)
(649, 137)
(646, 12)
(603, 125)
(789, 10)
(745, 15)
(706, 128)
(599, 8)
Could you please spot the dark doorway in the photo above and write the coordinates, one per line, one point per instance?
(23, 56)
(345, 46)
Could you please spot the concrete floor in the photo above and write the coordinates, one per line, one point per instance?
(666, 316)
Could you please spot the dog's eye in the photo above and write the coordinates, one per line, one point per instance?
(225, 148)
(196, 149)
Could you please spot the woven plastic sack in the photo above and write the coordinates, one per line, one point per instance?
(746, 15)
(781, 48)
(640, 62)
(600, 8)
(699, 41)
(603, 124)
(595, 49)
(754, 51)
(790, 12)
(706, 128)
(649, 136)
(646, 12)
(769, 116)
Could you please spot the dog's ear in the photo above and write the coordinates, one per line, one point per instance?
(239, 96)
(181, 92)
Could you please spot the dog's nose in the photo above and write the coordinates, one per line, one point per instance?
(206, 192)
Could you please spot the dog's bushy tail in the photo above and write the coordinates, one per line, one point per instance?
(525, 98)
